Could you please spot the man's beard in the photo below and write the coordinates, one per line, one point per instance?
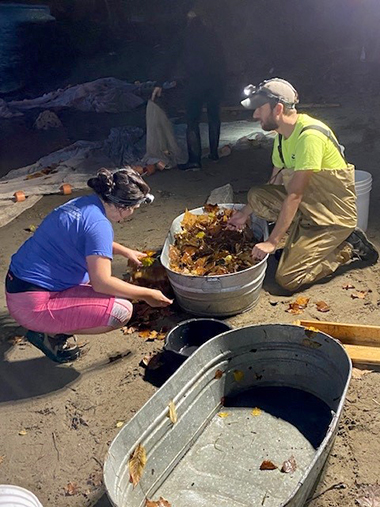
(270, 124)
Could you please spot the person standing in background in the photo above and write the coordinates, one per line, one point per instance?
(201, 56)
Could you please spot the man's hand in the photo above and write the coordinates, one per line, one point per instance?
(157, 299)
(238, 220)
(157, 91)
(260, 250)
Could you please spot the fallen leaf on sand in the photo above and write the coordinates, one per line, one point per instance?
(256, 411)
(222, 415)
(348, 286)
(218, 374)
(267, 465)
(359, 294)
(119, 424)
(148, 334)
(71, 489)
(289, 466)
(298, 305)
(172, 412)
(15, 340)
(129, 330)
(137, 462)
(357, 373)
(95, 479)
(238, 375)
(322, 306)
(370, 496)
(159, 503)
(22, 433)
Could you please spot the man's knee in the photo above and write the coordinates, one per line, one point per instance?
(253, 197)
(290, 281)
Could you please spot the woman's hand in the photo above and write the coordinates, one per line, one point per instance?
(157, 299)
(134, 256)
(260, 250)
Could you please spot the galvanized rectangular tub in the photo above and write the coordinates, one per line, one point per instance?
(216, 296)
(206, 460)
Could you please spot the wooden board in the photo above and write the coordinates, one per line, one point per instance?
(362, 343)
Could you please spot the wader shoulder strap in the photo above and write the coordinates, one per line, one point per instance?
(280, 150)
(329, 135)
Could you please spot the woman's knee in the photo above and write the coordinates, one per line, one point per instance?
(121, 313)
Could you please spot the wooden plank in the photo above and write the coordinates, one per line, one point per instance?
(352, 334)
(361, 342)
(363, 355)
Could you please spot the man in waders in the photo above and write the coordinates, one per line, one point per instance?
(311, 194)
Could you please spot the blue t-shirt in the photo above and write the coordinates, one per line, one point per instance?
(55, 256)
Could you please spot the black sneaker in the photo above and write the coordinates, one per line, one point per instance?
(57, 348)
(189, 166)
(361, 246)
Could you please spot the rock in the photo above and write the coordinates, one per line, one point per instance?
(221, 195)
(47, 120)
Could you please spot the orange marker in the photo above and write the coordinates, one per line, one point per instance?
(66, 189)
(150, 169)
(19, 196)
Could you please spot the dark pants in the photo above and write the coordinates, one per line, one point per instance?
(195, 98)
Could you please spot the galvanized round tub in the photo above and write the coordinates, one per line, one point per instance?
(224, 295)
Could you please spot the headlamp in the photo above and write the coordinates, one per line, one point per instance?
(248, 90)
(149, 198)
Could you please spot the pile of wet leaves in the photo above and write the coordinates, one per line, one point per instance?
(206, 246)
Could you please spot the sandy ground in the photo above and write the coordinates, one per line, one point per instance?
(57, 421)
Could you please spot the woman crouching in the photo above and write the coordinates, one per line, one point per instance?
(60, 283)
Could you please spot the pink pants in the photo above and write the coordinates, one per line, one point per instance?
(69, 310)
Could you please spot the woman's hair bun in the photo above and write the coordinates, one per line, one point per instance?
(103, 183)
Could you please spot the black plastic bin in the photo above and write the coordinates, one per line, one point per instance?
(190, 334)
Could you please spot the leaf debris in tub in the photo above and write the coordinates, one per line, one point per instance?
(256, 411)
(222, 415)
(206, 246)
(172, 414)
(137, 462)
(289, 466)
(238, 375)
(218, 374)
(158, 503)
(268, 465)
